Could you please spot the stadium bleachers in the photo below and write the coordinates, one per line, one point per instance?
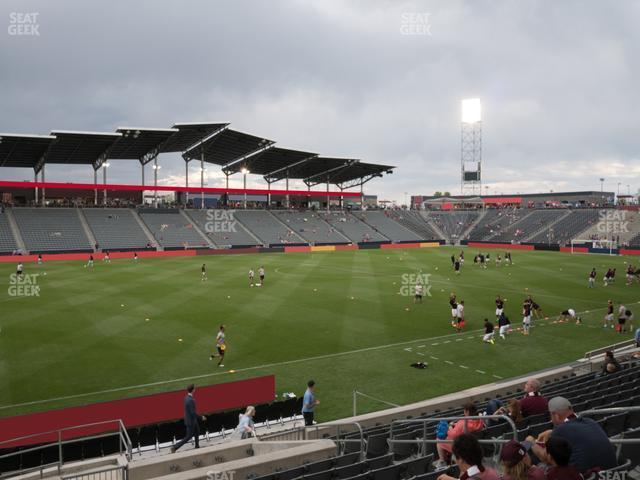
(310, 226)
(382, 222)
(171, 229)
(495, 220)
(7, 242)
(267, 228)
(415, 222)
(535, 221)
(222, 228)
(51, 229)
(115, 228)
(568, 228)
(452, 223)
(352, 227)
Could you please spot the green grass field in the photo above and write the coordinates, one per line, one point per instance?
(336, 317)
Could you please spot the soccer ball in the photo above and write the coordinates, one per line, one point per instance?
(436, 268)
(85, 266)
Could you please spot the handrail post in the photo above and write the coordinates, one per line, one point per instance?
(355, 399)
(59, 451)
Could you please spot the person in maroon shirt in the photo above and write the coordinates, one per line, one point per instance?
(533, 402)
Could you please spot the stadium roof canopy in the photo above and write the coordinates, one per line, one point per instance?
(339, 171)
(227, 147)
(271, 160)
(189, 134)
(80, 148)
(23, 151)
(138, 143)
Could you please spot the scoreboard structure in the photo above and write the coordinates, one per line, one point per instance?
(471, 147)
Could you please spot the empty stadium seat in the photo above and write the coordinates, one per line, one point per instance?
(51, 229)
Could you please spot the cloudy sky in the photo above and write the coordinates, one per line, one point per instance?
(343, 78)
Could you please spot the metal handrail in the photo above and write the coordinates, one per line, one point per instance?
(424, 440)
(124, 443)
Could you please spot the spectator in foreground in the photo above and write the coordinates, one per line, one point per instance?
(533, 402)
(246, 428)
(591, 449)
(190, 420)
(468, 453)
(516, 463)
(558, 455)
(309, 403)
(455, 430)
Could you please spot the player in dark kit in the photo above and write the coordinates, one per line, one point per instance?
(499, 306)
(507, 258)
(453, 260)
(456, 267)
(526, 316)
(453, 303)
(592, 278)
(488, 332)
(608, 318)
(535, 308)
(204, 272)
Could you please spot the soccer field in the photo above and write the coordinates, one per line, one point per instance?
(126, 329)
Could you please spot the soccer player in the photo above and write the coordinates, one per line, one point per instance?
(456, 267)
(106, 257)
(204, 272)
(251, 275)
(499, 306)
(612, 277)
(622, 319)
(461, 257)
(135, 257)
(39, 259)
(19, 269)
(90, 262)
(526, 317)
(498, 260)
(419, 290)
(570, 314)
(453, 260)
(221, 346)
(460, 316)
(607, 277)
(482, 261)
(507, 258)
(488, 332)
(454, 309)
(261, 275)
(505, 325)
(535, 307)
(608, 318)
(592, 278)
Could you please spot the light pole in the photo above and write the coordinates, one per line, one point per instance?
(244, 172)
(104, 181)
(156, 167)
(619, 183)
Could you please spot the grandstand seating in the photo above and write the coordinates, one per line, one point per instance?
(382, 222)
(267, 228)
(635, 241)
(352, 227)
(568, 228)
(495, 220)
(415, 222)
(452, 223)
(7, 242)
(51, 229)
(171, 229)
(222, 228)
(310, 226)
(528, 224)
(115, 228)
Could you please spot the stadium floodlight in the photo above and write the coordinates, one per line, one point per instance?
(244, 171)
(471, 110)
(106, 164)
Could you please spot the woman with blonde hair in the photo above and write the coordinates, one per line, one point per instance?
(245, 425)
(517, 464)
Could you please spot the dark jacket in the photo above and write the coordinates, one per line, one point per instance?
(190, 415)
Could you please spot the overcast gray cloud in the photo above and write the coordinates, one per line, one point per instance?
(560, 105)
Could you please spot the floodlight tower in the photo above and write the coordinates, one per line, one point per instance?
(471, 146)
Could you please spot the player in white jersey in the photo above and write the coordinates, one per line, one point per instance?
(570, 314)
(221, 346)
(251, 275)
(419, 291)
(261, 275)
